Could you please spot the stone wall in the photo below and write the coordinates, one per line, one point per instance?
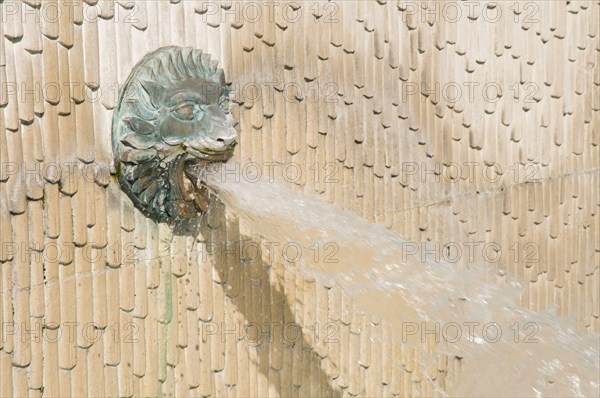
(380, 104)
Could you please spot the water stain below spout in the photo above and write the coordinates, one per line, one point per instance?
(370, 265)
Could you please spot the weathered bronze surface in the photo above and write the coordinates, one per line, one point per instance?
(173, 113)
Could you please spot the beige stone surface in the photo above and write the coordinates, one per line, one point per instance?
(97, 300)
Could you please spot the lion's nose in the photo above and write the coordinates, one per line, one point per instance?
(221, 131)
(227, 141)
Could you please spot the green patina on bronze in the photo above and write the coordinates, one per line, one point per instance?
(173, 114)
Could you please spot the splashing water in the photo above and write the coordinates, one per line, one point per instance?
(508, 351)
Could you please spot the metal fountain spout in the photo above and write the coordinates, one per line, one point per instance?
(172, 118)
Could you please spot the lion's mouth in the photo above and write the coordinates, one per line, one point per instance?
(196, 167)
(210, 155)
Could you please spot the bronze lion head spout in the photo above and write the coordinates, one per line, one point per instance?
(172, 117)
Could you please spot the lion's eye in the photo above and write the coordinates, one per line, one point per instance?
(186, 110)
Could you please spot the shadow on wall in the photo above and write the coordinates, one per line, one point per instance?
(265, 298)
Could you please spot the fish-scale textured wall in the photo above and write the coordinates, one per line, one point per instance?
(459, 124)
